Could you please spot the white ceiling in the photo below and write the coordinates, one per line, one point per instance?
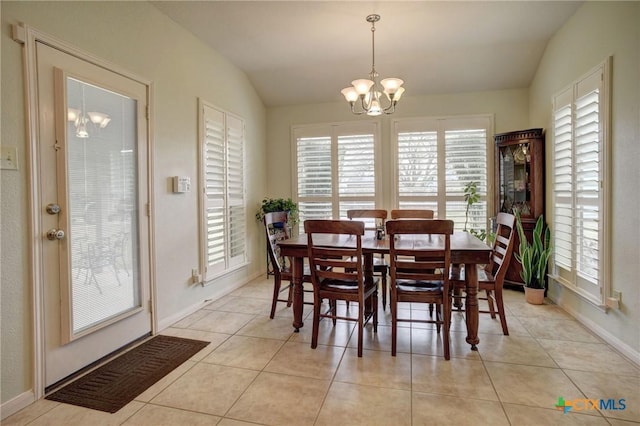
(297, 52)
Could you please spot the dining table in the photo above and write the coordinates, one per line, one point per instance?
(466, 249)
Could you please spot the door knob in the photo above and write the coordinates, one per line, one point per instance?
(55, 234)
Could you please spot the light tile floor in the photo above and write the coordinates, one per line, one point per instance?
(258, 371)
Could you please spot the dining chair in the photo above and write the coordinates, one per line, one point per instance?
(491, 276)
(420, 275)
(411, 214)
(380, 264)
(277, 228)
(337, 273)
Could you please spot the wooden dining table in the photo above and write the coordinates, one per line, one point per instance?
(466, 250)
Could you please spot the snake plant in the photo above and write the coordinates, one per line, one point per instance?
(534, 256)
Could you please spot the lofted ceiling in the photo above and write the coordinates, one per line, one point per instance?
(299, 52)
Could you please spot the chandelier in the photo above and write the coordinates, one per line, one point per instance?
(367, 91)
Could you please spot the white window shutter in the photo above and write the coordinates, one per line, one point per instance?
(223, 192)
(235, 191)
(579, 194)
(214, 190)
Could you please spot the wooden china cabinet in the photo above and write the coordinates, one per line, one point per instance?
(520, 184)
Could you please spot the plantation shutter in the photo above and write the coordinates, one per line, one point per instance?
(587, 181)
(466, 161)
(335, 169)
(436, 159)
(563, 181)
(578, 173)
(235, 191)
(214, 190)
(314, 177)
(418, 169)
(356, 172)
(223, 194)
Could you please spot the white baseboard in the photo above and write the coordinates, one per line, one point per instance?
(619, 345)
(16, 404)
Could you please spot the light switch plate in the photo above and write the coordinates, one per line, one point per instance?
(9, 156)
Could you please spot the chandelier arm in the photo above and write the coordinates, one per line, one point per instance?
(353, 109)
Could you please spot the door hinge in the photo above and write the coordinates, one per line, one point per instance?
(146, 112)
(148, 209)
(150, 306)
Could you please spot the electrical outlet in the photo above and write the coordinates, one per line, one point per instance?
(9, 155)
(195, 276)
(617, 295)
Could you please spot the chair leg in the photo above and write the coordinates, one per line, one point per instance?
(276, 292)
(384, 288)
(333, 308)
(500, 306)
(361, 310)
(393, 305)
(492, 309)
(290, 297)
(316, 321)
(375, 312)
(446, 322)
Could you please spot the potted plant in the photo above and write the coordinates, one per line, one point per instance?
(471, 197)
(278, 205)
(534, 258)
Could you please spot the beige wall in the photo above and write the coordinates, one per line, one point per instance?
(597, 30)
(137, 38)
(509, 108)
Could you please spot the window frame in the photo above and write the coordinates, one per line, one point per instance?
(441, 125)
(230, 198)
(334, 131)
(571, 278)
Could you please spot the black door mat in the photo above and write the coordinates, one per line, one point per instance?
(115, 384)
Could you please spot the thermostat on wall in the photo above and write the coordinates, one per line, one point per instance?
(181, 184)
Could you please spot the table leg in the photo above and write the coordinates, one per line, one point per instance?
(471, 305)
(297, 268)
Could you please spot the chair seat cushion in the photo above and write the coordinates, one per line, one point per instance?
(419, 286)
(347, 286)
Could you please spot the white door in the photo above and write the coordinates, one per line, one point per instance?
(93, 163)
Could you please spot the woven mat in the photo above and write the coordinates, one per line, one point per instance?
(115, 384)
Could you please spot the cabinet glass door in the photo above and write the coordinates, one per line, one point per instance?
(515, 187)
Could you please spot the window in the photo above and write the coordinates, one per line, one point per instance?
(222, 192)
(580, 121)
(335, 169)
(435, 159)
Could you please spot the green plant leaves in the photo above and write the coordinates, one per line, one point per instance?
(534, 256)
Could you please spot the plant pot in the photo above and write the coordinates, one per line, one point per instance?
(535, 296)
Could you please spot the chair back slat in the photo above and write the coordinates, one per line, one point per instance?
(411, 214)
(336, 263)
(502, 245)
(416, 263)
